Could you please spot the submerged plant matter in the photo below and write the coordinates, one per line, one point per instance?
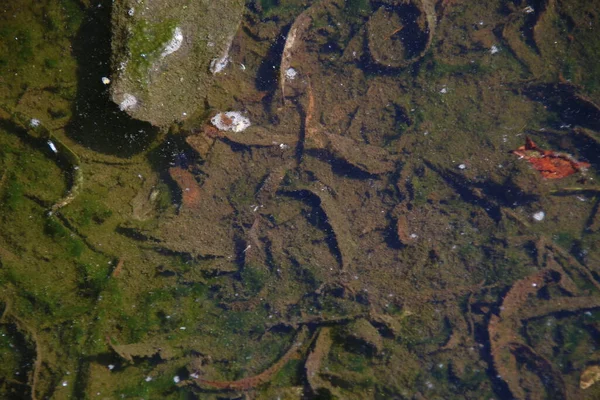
(551, 164)
(369, 235)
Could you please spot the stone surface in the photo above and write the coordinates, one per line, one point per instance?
(162, 52)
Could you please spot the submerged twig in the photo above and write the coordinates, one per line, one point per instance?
(263, 377)
(37, 130)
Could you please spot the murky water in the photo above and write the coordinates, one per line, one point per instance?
(381, 231)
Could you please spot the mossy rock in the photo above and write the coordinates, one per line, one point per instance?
(162, 53)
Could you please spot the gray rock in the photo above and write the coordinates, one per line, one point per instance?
(165, 52)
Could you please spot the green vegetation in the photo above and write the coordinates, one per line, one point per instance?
(210, 315)
(63, 237)
(357, 8)
(254, 278)
(146, 43)
(13, 193)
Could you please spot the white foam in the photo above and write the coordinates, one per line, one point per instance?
(174, 44)
(230, 121)
(218, 64)
(129, 101)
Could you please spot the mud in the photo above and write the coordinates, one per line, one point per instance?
(370, 235)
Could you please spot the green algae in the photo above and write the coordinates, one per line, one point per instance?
(146, 43)
(74, 297)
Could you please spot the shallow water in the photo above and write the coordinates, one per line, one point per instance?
(372, 235)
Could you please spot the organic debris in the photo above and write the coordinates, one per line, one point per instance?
(590, 376)
(315, 359)
(263, 377)
(551, 164)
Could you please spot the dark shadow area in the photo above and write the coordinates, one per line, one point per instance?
(488, 195)
(97, 122)
(340, 166)
(318, 218)
(23, 353)
(411, 38)
(563, 99)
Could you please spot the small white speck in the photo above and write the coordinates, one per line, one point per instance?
(528, 9)
(111, 366)
(105, 80)
(52, 147)
(182, 328)
(462, 166)
(65, 383)
(444, 90)
(176, 379)
(494, 49)
(539, 216)
(534, 284)
(148, 379)
(413, 236)
(34, 122)
(194, 375)
(130, 12)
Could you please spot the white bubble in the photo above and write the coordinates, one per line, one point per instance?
(539, 216)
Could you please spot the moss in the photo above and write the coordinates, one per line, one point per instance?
(268, 5)
(91, 211)
(50, 63)
(13, 194)
(92, 277)
(244, 322)
(241, 193)
(73, 16)
(281, 9)
(289, 375)
(164, 200)
(254, 278)
(358, 7)
(473, 377)
(438, 69)
(146, 43)
(159, 387)
(62, 236)
(564, 239)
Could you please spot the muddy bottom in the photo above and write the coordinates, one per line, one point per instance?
(382, 229)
